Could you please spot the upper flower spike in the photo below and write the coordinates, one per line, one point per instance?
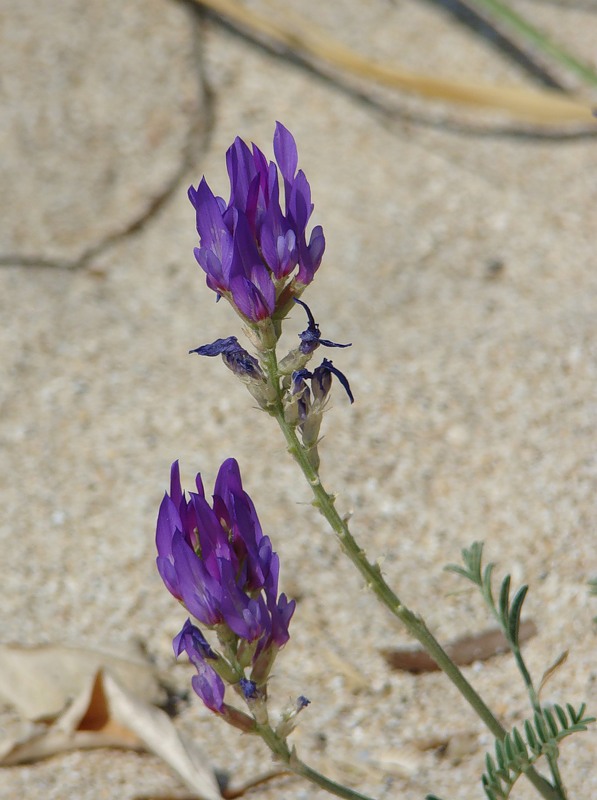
(250, 247)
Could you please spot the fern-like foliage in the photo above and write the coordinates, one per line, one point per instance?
(506, 611)
(515, 754)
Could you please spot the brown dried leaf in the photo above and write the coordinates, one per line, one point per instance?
(301, 37)
(463, 651)
(105, 714)
(550, 671)
(39, 681)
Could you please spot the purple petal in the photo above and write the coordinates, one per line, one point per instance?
(241, 171)
(168, 575)
(300, 206)
(229, 480)
(213, 539)
(245, 253)
(201, 592)
(208, 685)
(191, 640)
(247, 617)
(261, 279)
(250, 301)
(279, 249)
(227, 345)
(168, 522)
(310, 256)
(175, 487)
(281, 616)
(216, 278)
(210, 224)
(285, 152)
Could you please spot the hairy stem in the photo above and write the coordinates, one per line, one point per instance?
(552, 758)
(375, 581)
(283, 753)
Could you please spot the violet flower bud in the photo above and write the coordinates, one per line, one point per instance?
(253, 251)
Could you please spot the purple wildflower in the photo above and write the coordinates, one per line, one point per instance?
(250, 247)
(216, 561)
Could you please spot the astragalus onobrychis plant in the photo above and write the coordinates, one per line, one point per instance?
(214, 558)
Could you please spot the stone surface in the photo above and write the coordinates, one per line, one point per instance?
(461, 265)
(99, 101)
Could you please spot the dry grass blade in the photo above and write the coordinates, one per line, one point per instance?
(106, 714)
(540, 107)
(551, 671)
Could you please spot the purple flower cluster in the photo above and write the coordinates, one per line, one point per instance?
(250, 247)
(216, 561)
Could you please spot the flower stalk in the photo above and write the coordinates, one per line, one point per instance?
(324, 502)
(288, 756)
(256, 253)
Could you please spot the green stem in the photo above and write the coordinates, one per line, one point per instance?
(375, 581)
(551, 758)
(281, 751)
(325, 783)
(532, 35)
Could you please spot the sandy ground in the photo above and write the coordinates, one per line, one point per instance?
(460, 263)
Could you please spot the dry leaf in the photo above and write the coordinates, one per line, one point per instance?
(39, 681)
(463, 651)
(302, 38)
(105, 714)
(550, 671)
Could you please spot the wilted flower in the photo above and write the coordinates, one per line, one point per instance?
(289, 716)
(235, 357)
(304, 407)
(321, 381)
(311, 338)
(216, 561)
(250, 247)
(243, 365)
